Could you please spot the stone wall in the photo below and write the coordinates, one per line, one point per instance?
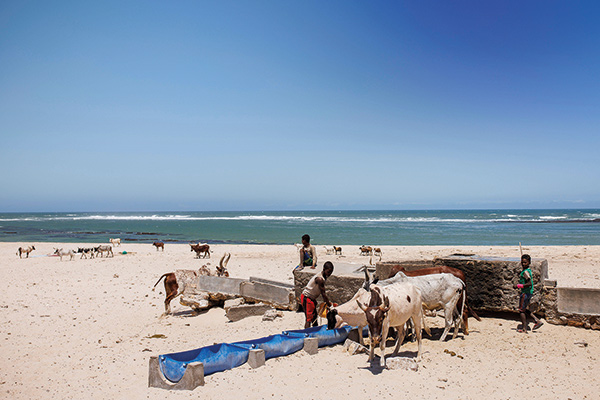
(490, 280)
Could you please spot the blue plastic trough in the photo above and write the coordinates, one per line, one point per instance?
(224, 356)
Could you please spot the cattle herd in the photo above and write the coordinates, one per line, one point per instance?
(399, 302)
(202, 250)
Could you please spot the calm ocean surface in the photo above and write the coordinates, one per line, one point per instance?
(463, 227)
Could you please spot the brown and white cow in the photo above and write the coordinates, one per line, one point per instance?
(366, 250)
(337, 250)
(159, 245)
(176, 282)
(443, 269)
(201, 249)
(25, 250)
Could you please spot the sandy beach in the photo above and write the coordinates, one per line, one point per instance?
(83, 329)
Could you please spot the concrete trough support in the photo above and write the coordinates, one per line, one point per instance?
(256, 358)
(192, 378)
(311, 345)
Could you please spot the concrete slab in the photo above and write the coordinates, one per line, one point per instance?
(192, 378)
(277, 296)
(402, 363)
(219, 284)
(274, 283)
(237, 313)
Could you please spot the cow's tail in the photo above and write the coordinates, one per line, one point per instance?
(159, 279)
(462, 307)
(473, 313)
(424, 323)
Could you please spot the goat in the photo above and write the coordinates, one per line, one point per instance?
(25, 250)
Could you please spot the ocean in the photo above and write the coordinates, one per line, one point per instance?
(445, 227)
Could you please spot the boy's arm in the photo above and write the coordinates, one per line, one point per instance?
(314, 255)
(321, 282)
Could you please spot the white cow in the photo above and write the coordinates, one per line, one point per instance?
(115, 242)
(438, 291)
(328, 249)
(61, 253)
(392, 306)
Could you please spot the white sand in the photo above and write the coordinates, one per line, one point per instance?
(80, 329)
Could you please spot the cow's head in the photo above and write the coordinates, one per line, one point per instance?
(376, 313)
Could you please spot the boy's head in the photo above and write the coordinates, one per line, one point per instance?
(327, 269)
(525, 261)
(305, 240)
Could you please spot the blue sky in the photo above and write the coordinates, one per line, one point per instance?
(191, 105)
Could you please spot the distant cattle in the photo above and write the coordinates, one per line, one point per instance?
(87, 251)
(201, 249)
(328, 249)
(63, 253)
(337, 250)
(104, 249)
(377, 251)
(25, 250)
(366, 250)
(115, 242)
(159, 245)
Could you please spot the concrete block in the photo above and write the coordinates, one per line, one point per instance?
(402, 363)
(256, 358)
(246, 310)
(578, 301)
(270, 315)
(311, 345)
(277, 296)
(233, 303)
(192, 377)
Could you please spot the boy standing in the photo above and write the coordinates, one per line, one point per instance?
(315, 288)
(525, 285)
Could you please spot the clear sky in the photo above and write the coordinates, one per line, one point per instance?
(298, 105)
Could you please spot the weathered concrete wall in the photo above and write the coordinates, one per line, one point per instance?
(490, 280)
(572, 306)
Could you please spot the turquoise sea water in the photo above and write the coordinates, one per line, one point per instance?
(459, 227)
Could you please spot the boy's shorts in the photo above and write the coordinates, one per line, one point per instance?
(524, 300)
(310, 308)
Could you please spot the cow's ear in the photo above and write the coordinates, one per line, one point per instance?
(385, 307)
